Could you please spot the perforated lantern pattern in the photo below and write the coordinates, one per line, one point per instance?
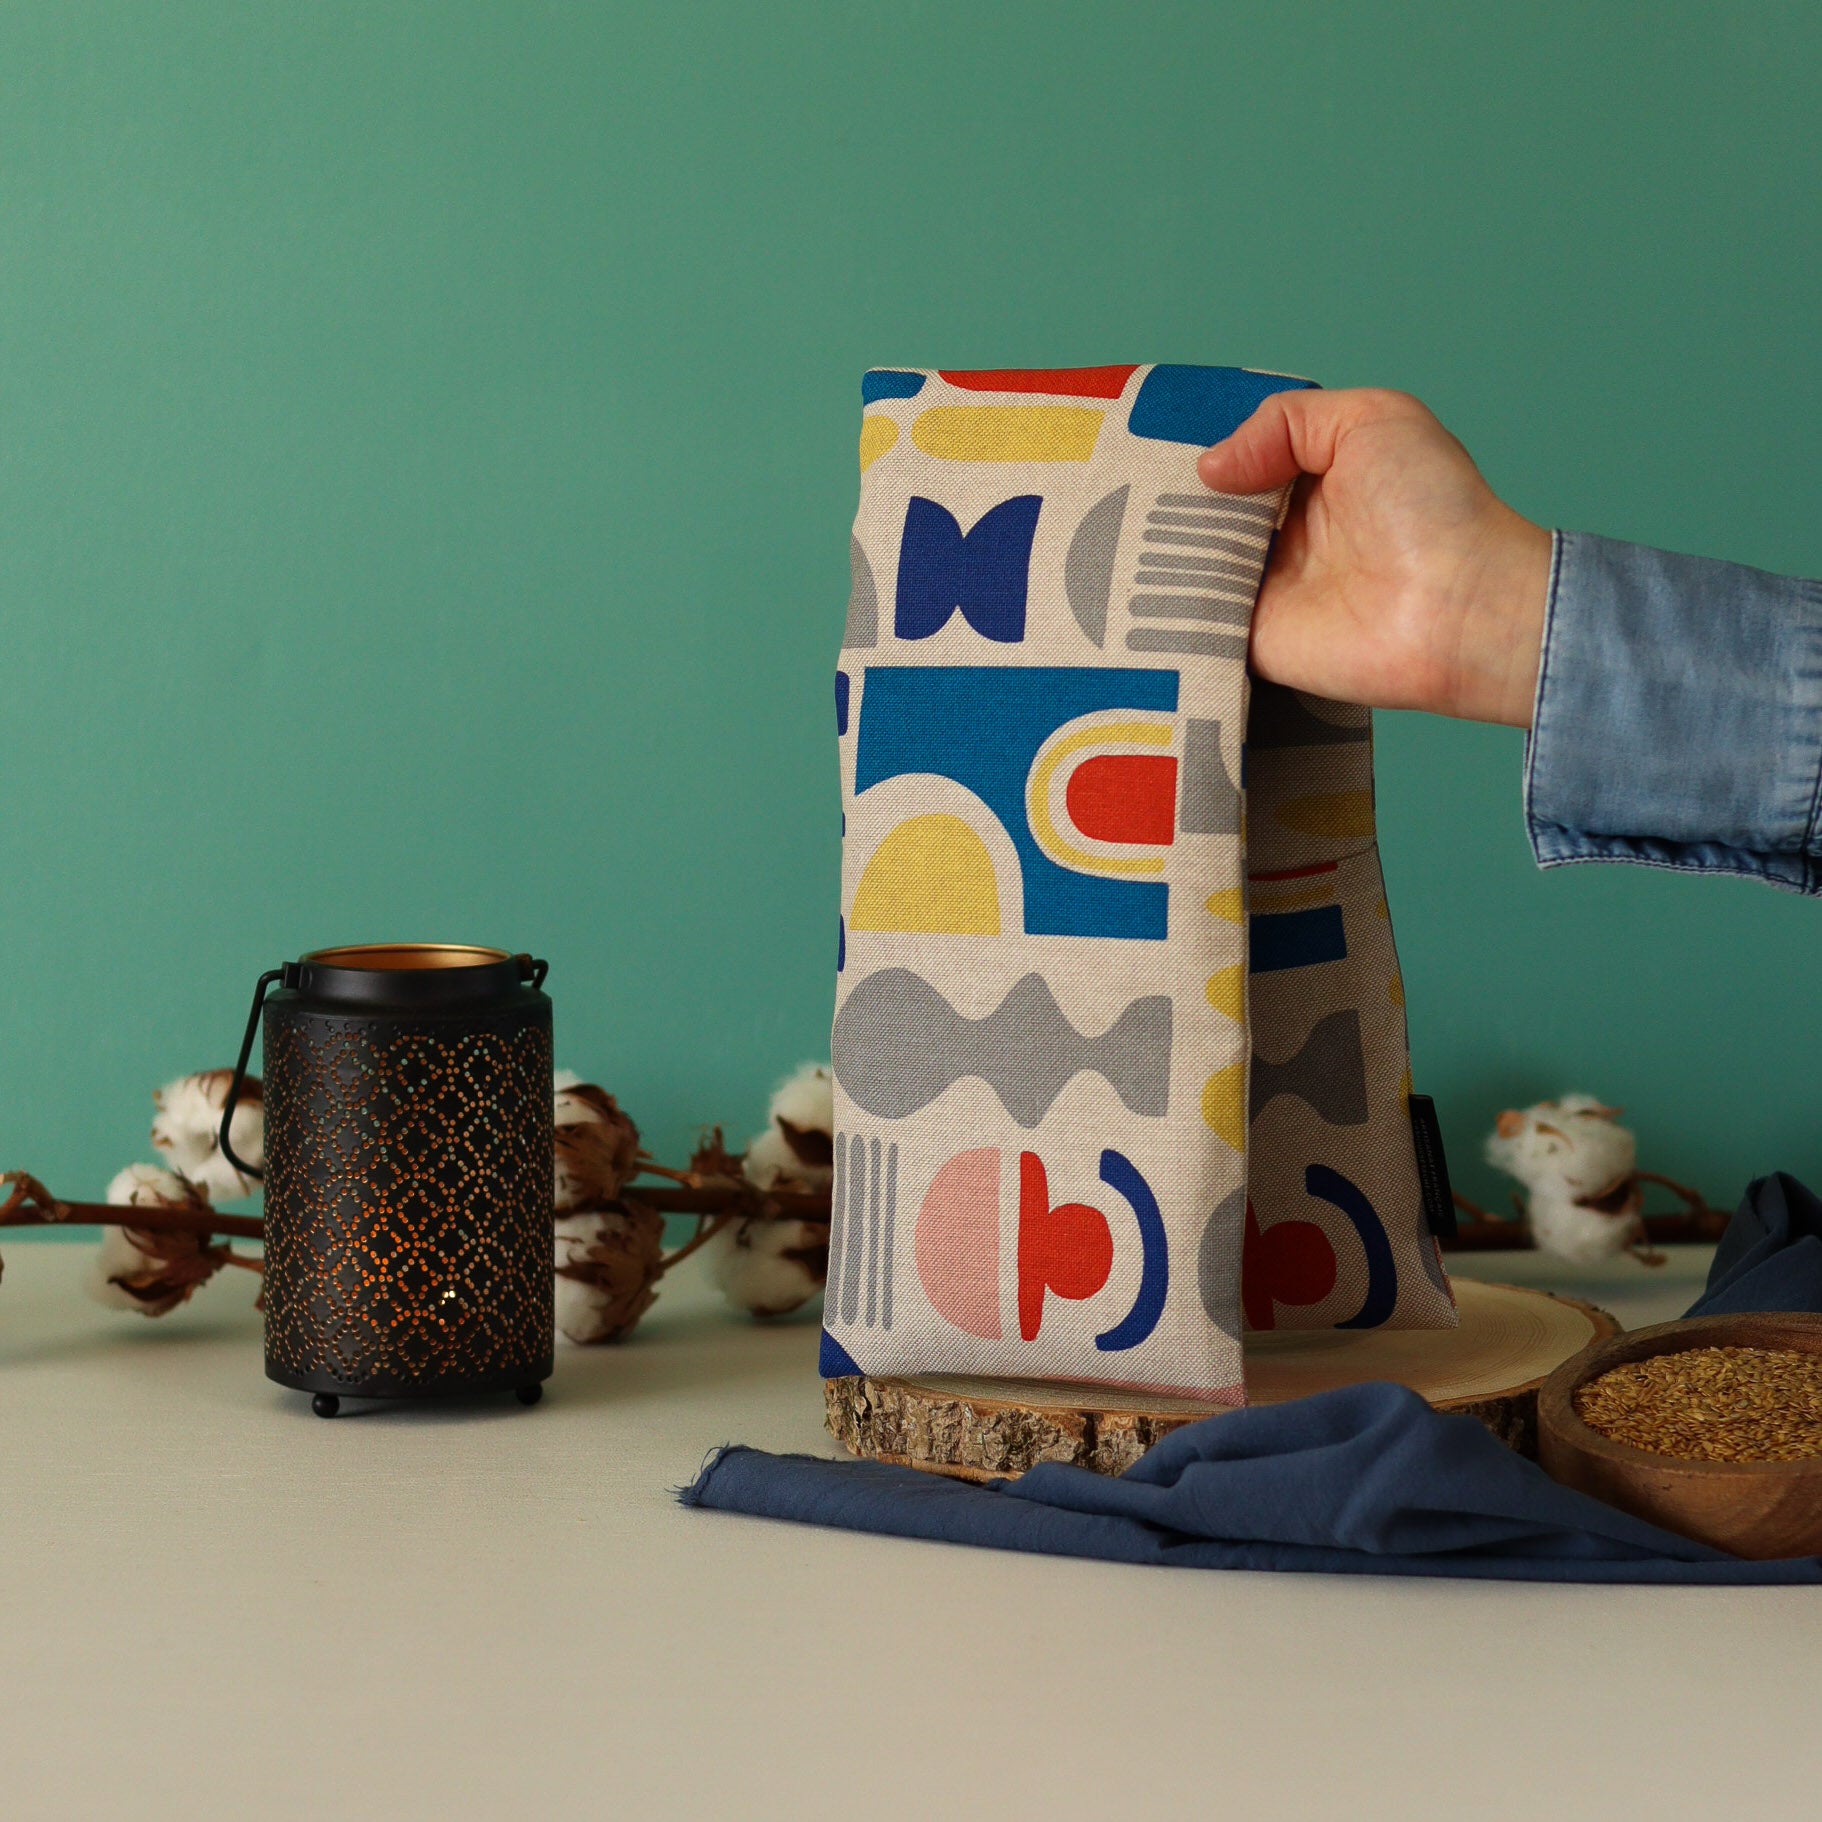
(408, 1204)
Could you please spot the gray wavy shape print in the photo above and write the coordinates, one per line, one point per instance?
(1329, 1072)
(898, 1044)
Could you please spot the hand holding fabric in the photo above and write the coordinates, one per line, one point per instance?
(1399, 580)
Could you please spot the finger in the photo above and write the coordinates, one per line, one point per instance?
(1294, 433)
(1275, 616)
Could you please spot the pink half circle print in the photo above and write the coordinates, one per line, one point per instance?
(958, 1242)
(1065, 1249)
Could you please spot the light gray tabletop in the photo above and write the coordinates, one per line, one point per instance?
(214, 1604)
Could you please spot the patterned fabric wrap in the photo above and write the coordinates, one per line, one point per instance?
(1119, 1048)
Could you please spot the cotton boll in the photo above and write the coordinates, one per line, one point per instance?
(219, 1178)
(806, 1099)
(575, 1102)
(798, 1144)
(1576, 1163)
(1578, 1235)
(596, 1146)
(151, 1273)
(187, 1130)
(608, 1263)
(116, 1263)
(1575, 1143)
(150, 1186)
(770, 1267)
(769, 1156)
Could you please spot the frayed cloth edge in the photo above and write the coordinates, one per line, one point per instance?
(696, 1493)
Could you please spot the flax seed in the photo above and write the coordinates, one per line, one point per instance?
(1712, 1404)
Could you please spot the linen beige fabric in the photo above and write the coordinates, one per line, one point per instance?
(1048, 1045)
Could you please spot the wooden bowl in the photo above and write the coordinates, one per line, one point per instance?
(1756, 1509)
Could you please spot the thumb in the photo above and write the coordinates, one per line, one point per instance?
(1294, 433)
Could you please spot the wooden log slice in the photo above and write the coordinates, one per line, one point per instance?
(1509, 1341)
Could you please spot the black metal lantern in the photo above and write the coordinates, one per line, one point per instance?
(408, 1172)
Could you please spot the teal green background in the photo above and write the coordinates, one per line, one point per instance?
(427, 448)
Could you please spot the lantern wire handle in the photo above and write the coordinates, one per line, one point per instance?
(240, 1074)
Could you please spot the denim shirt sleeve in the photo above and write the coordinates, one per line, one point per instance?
(1678, 720)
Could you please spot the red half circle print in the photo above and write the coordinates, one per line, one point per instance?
(958, 1242)
(1288, 1262)
(1067, 1249)
(1124, 797)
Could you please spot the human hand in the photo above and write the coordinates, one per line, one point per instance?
(1399, 580)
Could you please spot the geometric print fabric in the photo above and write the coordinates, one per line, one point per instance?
(1119, 1046)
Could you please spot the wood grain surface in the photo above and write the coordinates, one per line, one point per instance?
(1490, 1368)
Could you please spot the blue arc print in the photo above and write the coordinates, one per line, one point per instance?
(1122, 1177)
(1332, 1187)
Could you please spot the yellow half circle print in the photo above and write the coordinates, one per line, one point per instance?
(1037, 796)
(877, 434)
(1224, 1104)
(932, 875)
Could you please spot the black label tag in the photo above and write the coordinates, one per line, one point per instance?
(1432, 1168)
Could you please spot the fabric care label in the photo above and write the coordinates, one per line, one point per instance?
(1044, 1080)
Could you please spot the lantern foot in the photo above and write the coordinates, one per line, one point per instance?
(529, 1394)
(325, 1404)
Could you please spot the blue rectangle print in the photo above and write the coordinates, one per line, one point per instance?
(1296, 939)
(981, 726)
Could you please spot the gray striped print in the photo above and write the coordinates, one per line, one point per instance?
(1255, 531)
(1249, 531)
(1181, 639)
(854, 1191)
(1185, 559)
(1226, 542)
(1193, 588)
(872, 1233)
(1232, 588)
(838, 1226)
(1213, 588)
(1199, 521)
(1183, 588)
(1193, 607)
(1221, 502)
(885, 1290)
(1211, 573)
(863, 1219)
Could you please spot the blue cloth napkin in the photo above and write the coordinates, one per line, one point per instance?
(1770, 1257)
(1366, 1480)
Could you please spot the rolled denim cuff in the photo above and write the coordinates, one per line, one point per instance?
(1678, 720)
